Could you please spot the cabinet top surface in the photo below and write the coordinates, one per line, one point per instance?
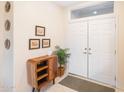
(40, 58)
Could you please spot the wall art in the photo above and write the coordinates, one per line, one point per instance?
(45, 43)
(39, 31)
(34, 44)
(7, 25)
(7, 6)
(7, 43)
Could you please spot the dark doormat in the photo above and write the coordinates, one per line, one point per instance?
(81, 85)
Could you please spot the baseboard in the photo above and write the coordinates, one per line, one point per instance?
(7, 89)
(119, 90)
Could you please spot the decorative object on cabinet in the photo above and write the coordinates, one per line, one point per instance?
(62, 58)
(7, 43)
(7, 25)
(41, 71)
(7, 6)
(49, 52)
(45, 43)
(39, 31)
(34, 44)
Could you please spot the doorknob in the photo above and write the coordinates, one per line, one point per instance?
(85, 52)
(89, 48)
(89, 53)
(85, 48)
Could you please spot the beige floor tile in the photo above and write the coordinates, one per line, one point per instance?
(59, 88)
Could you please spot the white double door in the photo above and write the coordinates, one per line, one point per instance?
(92, 48)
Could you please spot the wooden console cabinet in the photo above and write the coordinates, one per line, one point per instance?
(41, 70)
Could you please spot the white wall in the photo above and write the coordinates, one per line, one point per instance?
(119, 12)
(26, 16)
(6, 56)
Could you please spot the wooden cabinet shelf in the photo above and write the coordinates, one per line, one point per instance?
(42, 64)
(41, 71)
(42, 68)
(43, 76)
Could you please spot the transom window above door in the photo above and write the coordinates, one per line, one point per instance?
(99, 9)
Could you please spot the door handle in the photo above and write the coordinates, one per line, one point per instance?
(89, 53)
(85, 52)
(89, 48)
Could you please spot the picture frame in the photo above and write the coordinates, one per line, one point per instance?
(46, 43)
(34, 44)
(39, 31)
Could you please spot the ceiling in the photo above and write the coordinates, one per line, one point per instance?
(67, 3)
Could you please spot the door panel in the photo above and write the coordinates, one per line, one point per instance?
(77, 42)
(102, 44)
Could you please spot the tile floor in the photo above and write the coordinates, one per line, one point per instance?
(60, 88)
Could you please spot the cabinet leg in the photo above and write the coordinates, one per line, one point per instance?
(33, 89)
(38, 90)
(53, 81)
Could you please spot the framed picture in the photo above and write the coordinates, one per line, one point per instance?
(34, 44)
(39, 31)
(45, 43)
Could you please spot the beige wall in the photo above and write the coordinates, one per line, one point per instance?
(119, 11)
(26, 16)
